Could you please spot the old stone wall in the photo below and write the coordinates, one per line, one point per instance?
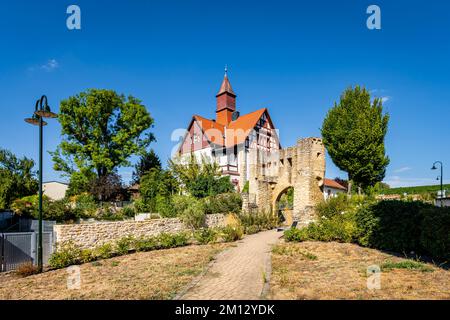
(301, 167)
(310, 169)
(91, 235)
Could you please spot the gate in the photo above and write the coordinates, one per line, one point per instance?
(21, 247)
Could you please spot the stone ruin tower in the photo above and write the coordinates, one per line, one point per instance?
(301, 167)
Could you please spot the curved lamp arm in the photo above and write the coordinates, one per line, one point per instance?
(42, 105)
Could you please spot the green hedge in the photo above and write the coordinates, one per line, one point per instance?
(435, 236)
(401, 226)
(391, 225)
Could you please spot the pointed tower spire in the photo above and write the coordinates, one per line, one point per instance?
(226, 85)
(226, 101)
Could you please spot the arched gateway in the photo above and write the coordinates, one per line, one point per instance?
(301, 167)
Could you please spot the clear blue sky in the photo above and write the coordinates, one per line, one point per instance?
(293, 57)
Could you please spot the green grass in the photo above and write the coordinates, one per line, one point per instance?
(407, 264)
(292, 251)
(309, 255)
(416, 190)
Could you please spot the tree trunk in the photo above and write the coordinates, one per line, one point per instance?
(349, 188)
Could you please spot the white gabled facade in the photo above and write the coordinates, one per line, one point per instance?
(229, 137)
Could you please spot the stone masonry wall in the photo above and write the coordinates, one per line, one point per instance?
(301, 167)
(91, 235)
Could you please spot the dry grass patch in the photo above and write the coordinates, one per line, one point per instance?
(330, 270)
(145, 275)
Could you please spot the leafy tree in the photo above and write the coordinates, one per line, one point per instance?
(149, 188)
(17, 178)
(60, 210)
(80, 182)
(353, 132)
(156, 188)
(200, 178)
(101, 130)
(148, 160)
(106, 188)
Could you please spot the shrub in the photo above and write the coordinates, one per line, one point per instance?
(128, 211)
(146, 244)
(256, 221)
(124, 245)
(340, 228)
(252, 229)
(232, 233)
(205, 235)
(85, 205)
(164, 206)
(333, 206)
(295, 235)
(223, 203)
(66, 255)
(406, 264)
(59, 210)
(336, 222)
(105, 251)
(166, 240)
(191, 211)
(107, 213)
(27, 269)
(87, 255)
(141, 206)
(435, 236)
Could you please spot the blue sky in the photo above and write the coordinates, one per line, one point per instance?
(294, 57)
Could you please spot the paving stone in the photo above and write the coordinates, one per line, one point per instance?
(237, 273)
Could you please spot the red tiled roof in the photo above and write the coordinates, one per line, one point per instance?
(333, 184)
(235, 133)
(213, 130)
(238, 130)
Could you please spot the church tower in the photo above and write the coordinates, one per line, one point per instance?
(226, 102)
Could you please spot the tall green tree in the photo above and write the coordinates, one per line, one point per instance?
(156, 188)
(100, 130)
(17, 178)
(353, 132)
(149, 160)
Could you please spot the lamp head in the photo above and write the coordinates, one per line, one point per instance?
(34, 120)
(434, 167)
(44, 110)
(46, 113)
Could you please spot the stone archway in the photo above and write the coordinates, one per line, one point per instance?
(301, 167)
(281, 204)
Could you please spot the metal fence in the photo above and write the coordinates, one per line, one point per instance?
(17, 248)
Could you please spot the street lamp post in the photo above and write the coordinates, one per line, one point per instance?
(41, 110)
(442, 177)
